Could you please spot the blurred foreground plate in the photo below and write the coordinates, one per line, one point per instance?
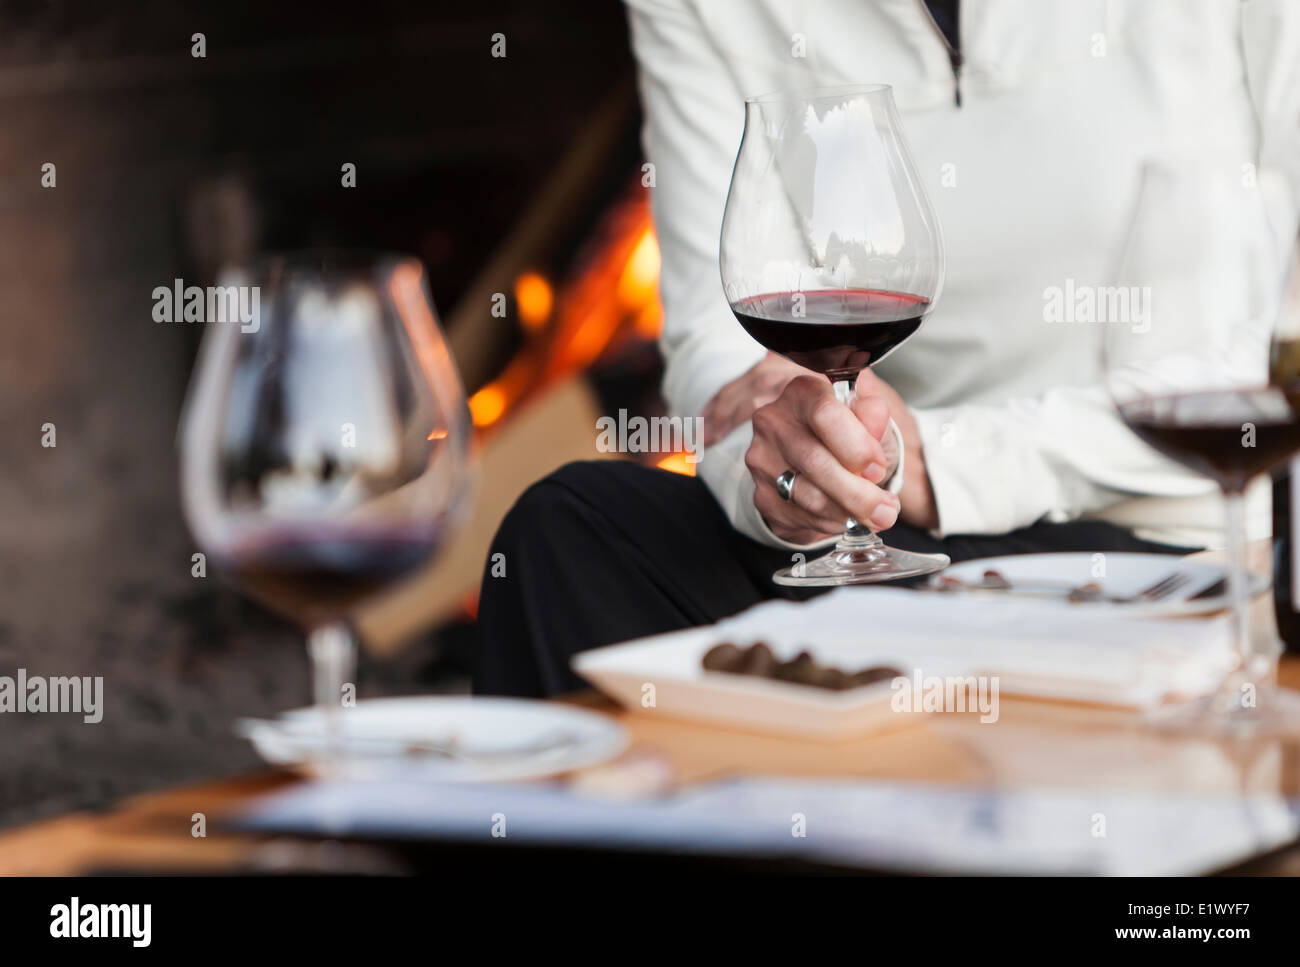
(444, 738)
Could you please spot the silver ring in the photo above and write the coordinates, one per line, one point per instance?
(785, 485)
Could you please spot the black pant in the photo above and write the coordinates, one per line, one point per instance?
(607, 551)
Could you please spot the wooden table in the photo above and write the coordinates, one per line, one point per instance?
(1033, 744)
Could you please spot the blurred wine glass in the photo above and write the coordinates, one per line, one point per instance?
(325, 444)
(1204, 369)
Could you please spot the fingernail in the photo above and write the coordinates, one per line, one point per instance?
(884, 516)
(875, 472)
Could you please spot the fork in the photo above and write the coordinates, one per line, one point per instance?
(1158, 591)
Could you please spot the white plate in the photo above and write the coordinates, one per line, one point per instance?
(1118, 573)
(378, 734)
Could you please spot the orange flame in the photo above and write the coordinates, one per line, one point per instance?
(535, 299)
(678, 463)
(619, 285)
(487, 405)
(640, 278)
(614, 293)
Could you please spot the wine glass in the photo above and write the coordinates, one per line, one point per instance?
(325, 445)
(831, 256)
(1199, 347)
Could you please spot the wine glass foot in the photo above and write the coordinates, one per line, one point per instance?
(849, 563)
(1265, 711)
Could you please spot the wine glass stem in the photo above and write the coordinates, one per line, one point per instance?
(1234, 506)
(854, 533)
(333, 656)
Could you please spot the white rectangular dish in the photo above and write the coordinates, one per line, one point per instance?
(1025, 646)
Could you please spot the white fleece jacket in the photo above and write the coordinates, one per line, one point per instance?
(1032, 177)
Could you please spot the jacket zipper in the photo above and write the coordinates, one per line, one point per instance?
(954, 55)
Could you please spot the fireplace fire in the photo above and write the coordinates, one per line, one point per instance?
(606, 304)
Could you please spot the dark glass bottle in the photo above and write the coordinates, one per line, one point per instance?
(1286, 596)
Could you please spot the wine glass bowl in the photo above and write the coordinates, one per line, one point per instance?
(831, 256)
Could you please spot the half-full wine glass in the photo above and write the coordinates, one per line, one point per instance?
(831, 256)
(1203, 368)
(325, 445)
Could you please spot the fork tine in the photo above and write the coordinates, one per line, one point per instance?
(1157, 589)
(1166, 587)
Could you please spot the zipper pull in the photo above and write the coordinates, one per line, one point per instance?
(956, 59)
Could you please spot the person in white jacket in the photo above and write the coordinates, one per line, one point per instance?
(987, 431)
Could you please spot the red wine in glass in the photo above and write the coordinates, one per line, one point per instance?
(318, 573)
(836, 332)
(1230, 436)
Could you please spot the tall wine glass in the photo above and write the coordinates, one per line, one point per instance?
(1199, 346)
(831, 256)
(325, 444)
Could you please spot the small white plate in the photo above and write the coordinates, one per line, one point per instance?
(495, 739)
(1119, 573)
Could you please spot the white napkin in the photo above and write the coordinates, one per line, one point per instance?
(873, 824)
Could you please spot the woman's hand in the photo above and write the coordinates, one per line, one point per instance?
(736, 402)
(764, 382)
(835, 450)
